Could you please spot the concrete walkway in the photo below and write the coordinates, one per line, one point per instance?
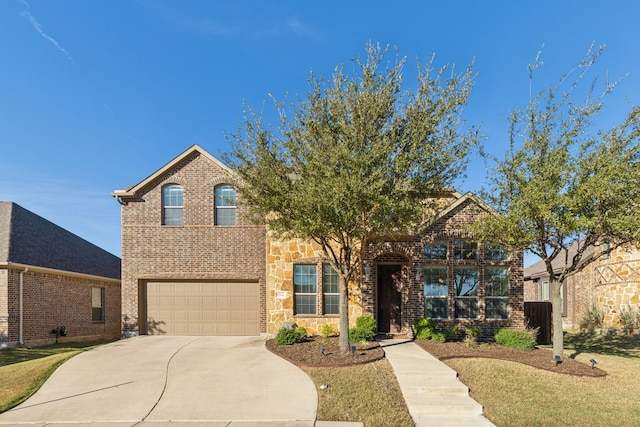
(432, 391)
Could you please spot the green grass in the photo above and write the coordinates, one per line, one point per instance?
(516, 395)
(23, 371)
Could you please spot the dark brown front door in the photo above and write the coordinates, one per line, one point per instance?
(389, 298)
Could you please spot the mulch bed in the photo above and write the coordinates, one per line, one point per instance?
(539, 358)
(308, 353)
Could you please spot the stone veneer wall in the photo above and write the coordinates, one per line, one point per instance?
(281, 256)
(612, 283)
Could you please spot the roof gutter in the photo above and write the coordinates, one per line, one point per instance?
(47, 270)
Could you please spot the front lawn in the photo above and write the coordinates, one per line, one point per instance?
(23, 371)
(514, 394)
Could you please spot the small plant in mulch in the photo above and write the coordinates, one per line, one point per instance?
(520, 339)
(472, 336)
(290, 336)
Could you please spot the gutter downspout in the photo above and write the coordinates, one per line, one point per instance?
(21, 308)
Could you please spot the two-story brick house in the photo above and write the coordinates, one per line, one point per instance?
(192, 264)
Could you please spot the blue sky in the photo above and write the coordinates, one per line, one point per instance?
(97, 95)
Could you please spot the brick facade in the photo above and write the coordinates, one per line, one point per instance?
(197, 250)
(52, 299)
(200, 250)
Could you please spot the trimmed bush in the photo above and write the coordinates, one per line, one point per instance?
(424, 328)
(365, 329)
(439, 337)
(520, 339)
(289, 336)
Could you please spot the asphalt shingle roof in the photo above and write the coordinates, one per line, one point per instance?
(29, 239)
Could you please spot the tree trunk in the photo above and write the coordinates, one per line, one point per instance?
(344, 314)
(556, 316)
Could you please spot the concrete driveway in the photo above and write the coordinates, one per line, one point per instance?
(157, 380)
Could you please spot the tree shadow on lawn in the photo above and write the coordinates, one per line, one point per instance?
(610, 344)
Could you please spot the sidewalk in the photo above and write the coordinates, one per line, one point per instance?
(432, 391)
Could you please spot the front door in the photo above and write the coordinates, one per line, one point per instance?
(389, 299)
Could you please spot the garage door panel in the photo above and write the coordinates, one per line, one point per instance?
(203, 308)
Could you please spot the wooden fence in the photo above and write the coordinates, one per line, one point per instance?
(537, 314)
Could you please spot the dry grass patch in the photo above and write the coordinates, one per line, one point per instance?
(366, 393)
(21, 380)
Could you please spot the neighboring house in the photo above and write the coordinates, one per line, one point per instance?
(192, 264)
(51, 278)
(611, 283)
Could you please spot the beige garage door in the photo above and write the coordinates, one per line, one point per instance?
(208, 308)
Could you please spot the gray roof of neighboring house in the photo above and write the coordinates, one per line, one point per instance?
(539, 269)
(29, 239)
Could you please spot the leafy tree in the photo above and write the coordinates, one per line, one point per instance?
(563, 182)
(356, 159)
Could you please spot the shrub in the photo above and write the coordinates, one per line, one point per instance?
(592, 316)
(288, 336)
(424, 328)
(451, 332)
(367, 323)
(520, 339)
(365, 329)
(629, 316)
(472, 335)
(327, 330)
(439, 337)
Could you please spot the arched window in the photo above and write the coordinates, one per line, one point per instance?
(225, 204)
(172, 204)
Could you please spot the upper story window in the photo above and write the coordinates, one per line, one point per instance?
(172, 204)
(225, 204)
(465, 250)
(437, 250)
(495, 252)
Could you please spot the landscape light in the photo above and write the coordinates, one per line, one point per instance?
(593, 363)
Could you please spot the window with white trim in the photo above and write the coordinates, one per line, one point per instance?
(225, 205)
(304, 289)
(313, 295)
(172, 204)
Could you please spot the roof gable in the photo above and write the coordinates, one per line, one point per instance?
(29, 239)
(460, 201)
(131, 192)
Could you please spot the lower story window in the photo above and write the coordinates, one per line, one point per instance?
(466, 286)
(330, 290)
(436, 289)
(97, 304)
(305, 289)
(496, 282)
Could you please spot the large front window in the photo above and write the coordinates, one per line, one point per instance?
(436, 289)
(172, 204)
(225, 204)
(466, 285)
(314, 295)
(496, 286)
